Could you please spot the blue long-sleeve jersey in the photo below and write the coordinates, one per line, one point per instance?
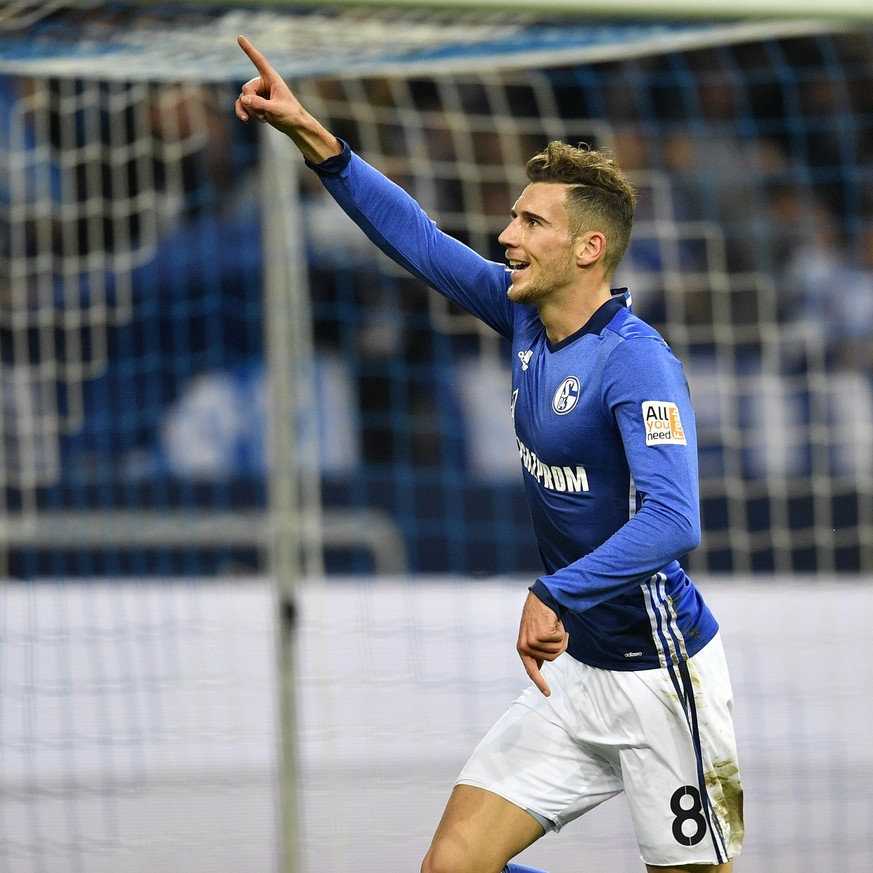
(606, 436)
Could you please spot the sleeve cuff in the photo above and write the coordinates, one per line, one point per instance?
(335, 164)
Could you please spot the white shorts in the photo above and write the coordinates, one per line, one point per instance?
(665, 737)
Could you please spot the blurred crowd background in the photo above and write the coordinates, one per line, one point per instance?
(132, 335)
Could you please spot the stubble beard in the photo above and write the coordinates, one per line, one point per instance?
(538, 289)
(528, 294)
(555, 273)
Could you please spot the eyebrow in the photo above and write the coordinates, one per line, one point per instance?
(528, 214)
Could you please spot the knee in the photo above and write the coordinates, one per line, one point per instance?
(442, 859)
(431, 864)
(436, 861)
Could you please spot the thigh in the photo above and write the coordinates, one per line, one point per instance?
(533, 756)
(479, 831)
(682, 779)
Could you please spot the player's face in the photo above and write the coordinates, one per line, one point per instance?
(539, 245)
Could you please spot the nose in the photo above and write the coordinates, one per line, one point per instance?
(507, 235)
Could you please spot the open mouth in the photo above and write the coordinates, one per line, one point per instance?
(517, 266)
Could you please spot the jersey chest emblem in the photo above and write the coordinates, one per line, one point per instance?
(567, 395)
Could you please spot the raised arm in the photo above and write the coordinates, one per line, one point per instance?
(269, 99)
(389, 216)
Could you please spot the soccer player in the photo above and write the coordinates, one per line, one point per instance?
(630, 690)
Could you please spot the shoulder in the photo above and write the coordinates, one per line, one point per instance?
(640, 360)
(626, 326)
(632, 340)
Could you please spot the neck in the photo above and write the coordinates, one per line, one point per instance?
(562, 318)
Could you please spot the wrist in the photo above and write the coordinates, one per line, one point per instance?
(315, 143)
(542, 593)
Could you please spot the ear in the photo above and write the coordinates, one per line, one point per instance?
(590, 247)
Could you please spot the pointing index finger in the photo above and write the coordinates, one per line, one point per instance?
(532, 668)
(261, 63)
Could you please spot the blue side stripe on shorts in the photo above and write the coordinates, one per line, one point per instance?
(714, 825)
(673, 657)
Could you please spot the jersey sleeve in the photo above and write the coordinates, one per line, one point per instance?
(394, 221)
(646, 395)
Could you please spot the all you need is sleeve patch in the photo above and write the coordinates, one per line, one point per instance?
(662, 423)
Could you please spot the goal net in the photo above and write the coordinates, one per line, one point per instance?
(212, 386)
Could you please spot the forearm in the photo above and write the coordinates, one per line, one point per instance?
(650, 541)
(395, 222)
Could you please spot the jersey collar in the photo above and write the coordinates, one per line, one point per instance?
(620, 300)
